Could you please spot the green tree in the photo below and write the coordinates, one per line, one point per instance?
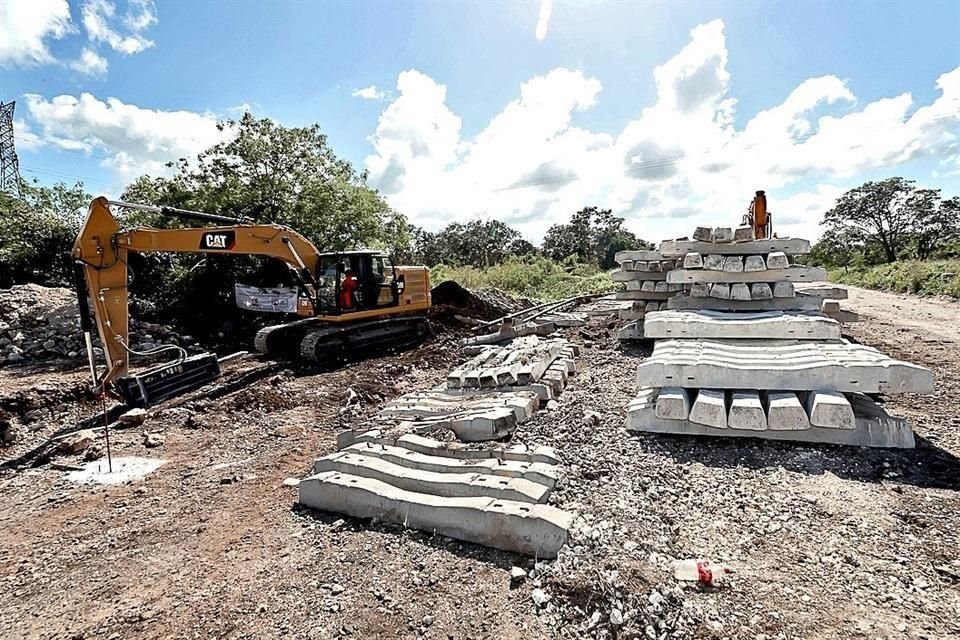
(267, 173)
(875, 213)
(936, 222)
(37, 233)
(593, 236)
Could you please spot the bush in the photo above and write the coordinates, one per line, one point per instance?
(532, 277)
(37, 234)
(926, 278)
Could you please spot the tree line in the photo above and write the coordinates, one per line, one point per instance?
(269, 173)
(889, 220)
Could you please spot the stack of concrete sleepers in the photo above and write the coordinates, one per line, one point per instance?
(730, 360)
(644, 273)
(494, 497)
(831, 295)
(749, 275)
(489, 395)
(489, 495)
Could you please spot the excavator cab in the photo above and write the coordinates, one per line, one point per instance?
(378, 285)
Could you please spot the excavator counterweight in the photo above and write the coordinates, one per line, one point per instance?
(350, 302)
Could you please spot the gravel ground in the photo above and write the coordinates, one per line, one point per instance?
(825, 541)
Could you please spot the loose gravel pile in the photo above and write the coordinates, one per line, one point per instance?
(43, 323)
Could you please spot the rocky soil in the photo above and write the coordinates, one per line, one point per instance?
(41, 323)
(825, 541)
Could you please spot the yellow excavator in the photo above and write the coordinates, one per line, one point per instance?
(351, 303)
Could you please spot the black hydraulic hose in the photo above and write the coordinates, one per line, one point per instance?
(83, 304)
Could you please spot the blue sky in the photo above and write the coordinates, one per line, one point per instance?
(485, 104)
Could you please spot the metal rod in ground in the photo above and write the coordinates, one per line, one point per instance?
(106, 431)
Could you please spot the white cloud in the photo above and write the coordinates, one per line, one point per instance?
(100, 21)
(90, 63)
(26, 139)
(680, 162)
(369, 93)
(134, 140)
(25, 26)
(543, 19)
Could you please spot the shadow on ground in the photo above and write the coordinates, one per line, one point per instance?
(926, 466)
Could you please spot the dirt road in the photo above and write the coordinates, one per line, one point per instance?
(937, 318)
(827, 542)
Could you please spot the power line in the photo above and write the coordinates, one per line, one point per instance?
(58, 174)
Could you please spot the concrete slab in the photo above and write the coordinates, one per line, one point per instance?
(722, 234)
(744, 234)
(720, 291)
(703, 233)
(760, 291)
(790, 246)
(125, 469)
(824, 290)
(874, 427)
(532, 529)
(713, 262)
(450, 485)
(642, 295)
(710, 409)
(693, 260)
(431, 447)
(733, 264)
(700, 290)
(783, 290)
(804, 365)
(794, 273)
(746, 411)
(637, 256)
(673, 403)
(754, 263)
(785, 412)
(637, 285)
(538, 472)
(777, 260)
(763, 325)
(739, 291)
(777, 304)
(635, 276)
(829, 409)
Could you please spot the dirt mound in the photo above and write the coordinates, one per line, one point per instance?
(41, 323)
(449, 298)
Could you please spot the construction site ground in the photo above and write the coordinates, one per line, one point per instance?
(826, 541)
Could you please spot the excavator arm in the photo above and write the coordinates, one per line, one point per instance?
(102, 248)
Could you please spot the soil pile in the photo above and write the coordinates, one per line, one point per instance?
(42, 323)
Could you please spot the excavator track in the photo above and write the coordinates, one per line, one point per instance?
(333, 344)
(283, 340)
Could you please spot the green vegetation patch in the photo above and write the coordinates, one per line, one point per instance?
(927, 277)
(532, 277)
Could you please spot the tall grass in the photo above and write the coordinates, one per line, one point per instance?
(536, 277)
(926, 278)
